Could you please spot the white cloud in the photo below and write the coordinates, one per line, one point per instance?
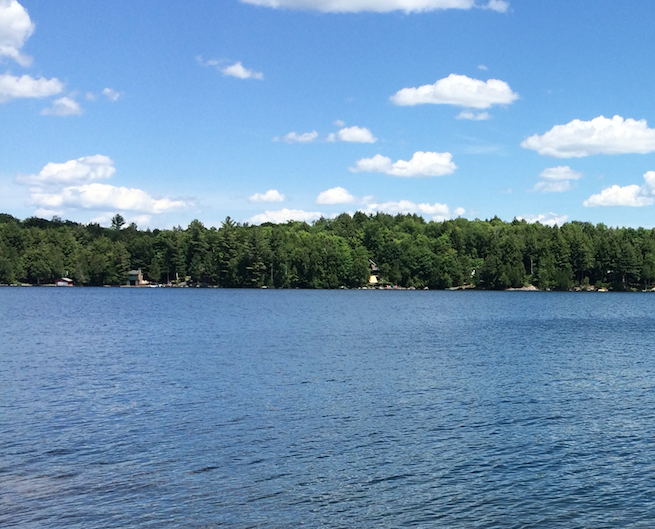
(285, 215)
(633, 195)
(561, 172)
(377, 6)
(53, 190)
(552, 186)
(437, 211)
(421, 164)
(480, 116)
(556, 179)
(336, 195)
(458, 90)
(549, 219)
(482, 67)
(294, 137)
(239, 71)
(210, 62)
(601, 135)
(12, 87)
(82, 170)
(15, 28)
(501, 6)
(104, 197)
(340, 123)
(111, 94)
(44, 213)
(272, 195)
(353, 135)
(64, 106)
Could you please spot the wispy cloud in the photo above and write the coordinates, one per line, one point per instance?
(64, 106)
(378, 6)
(237, 69)
(111, 94)
(556, 179)
(294, 137)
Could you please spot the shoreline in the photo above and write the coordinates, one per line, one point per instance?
(526, 288)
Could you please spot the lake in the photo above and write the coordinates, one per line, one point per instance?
(270, 408)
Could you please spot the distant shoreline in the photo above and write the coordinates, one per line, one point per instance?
(471, 288)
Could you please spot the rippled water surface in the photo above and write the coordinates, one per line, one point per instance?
(219, 408)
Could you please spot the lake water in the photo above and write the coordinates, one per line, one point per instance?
(240, 408)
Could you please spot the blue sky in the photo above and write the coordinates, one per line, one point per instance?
(291, 109)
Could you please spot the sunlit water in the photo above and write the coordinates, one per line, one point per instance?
(219, 408)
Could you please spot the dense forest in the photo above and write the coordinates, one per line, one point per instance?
(332, 253)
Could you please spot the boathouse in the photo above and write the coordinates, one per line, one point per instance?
(135, 278)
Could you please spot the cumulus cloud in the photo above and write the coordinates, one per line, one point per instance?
(377, 6)
(52, 190)
(473, 116)
(601, 135)
(285, 215)
(111, 94)
(44, 213)
(272, 195)
(549, 219)
(556, 179)
(336, 195)
(12, 87)
(82, 170)
(104, 197)
(438, 212)
(632, 196)
(369, 204)
(294, 137)
(422, 164)
(64, 106)
(240, 72)
(15, 28)
(458, 90)
(353, 135)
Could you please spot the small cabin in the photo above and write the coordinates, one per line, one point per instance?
(64, 282)
(374, 277)
(135, 278)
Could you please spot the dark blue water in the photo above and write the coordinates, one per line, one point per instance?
(217, 408)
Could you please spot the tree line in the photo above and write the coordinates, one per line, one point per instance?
(332, 253)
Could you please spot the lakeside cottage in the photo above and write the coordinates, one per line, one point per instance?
(374, 278)
(64, 282)
(135, 278)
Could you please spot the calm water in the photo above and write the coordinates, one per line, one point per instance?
(217, 408)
